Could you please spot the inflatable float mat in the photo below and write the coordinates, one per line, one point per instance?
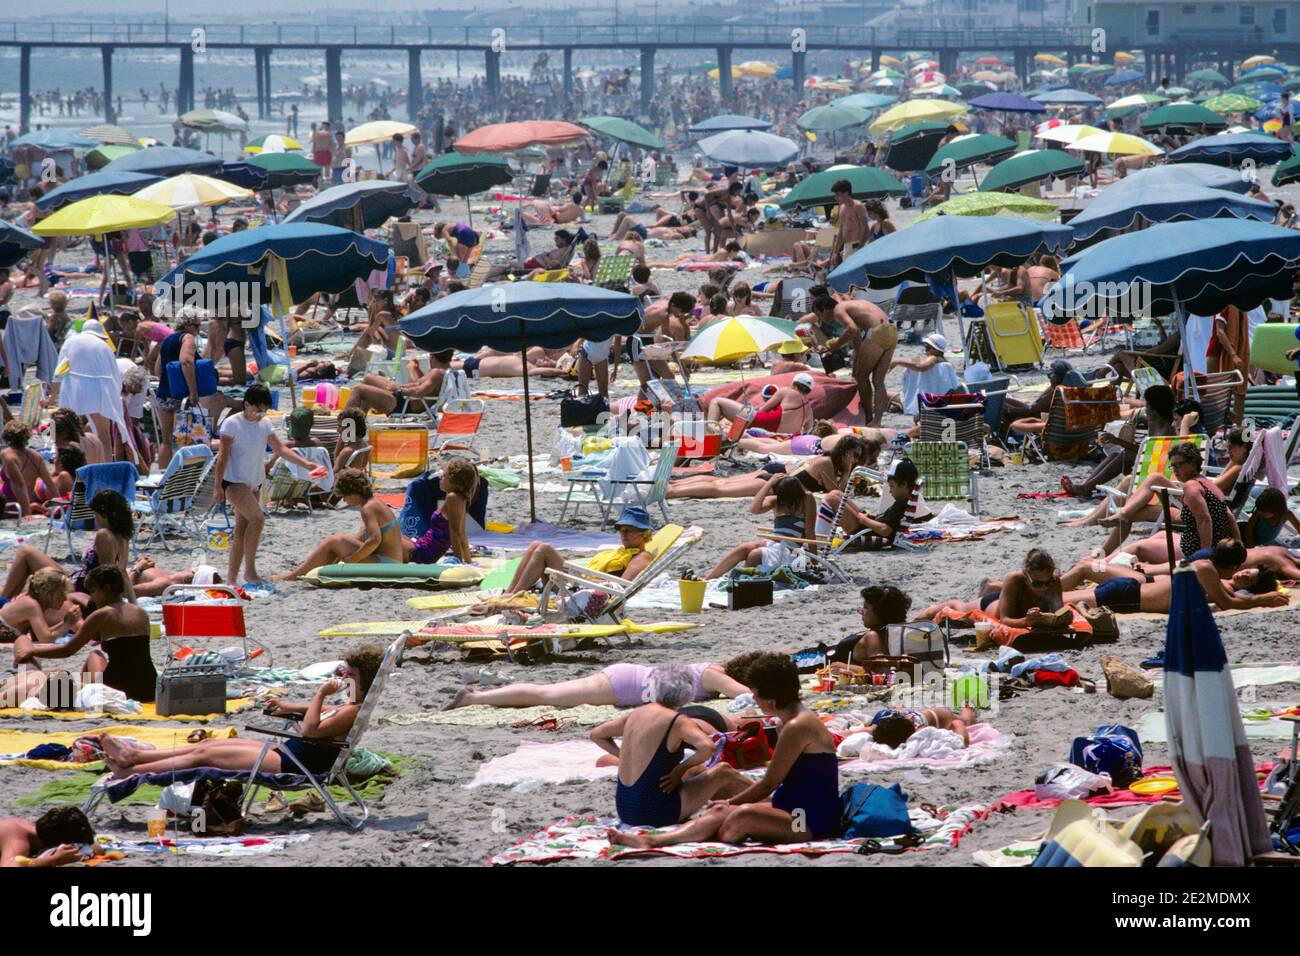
(373, 575)
(1269, 345)
(466, 633)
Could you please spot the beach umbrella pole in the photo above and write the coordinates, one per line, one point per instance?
(528, 426)
(1189, 374)
(1169, 525)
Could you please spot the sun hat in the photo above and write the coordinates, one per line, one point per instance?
(793, 347)
(634, 517)
(935, 341)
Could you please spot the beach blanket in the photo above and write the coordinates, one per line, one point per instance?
(147, 712)
(206, 846)
(15, 744)
(830, 396)
(955, 524)
(1260, 720)
(535, 764)
(479, 715)
(1020, 853)
(929, 748)
(1262, 676)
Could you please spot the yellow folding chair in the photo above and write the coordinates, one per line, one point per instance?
(403, 447)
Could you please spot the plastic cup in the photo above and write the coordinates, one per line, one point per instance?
(692, 595)
(293, 352)
(157, 822)
(309, 395)
(566, 464)
(344, 393)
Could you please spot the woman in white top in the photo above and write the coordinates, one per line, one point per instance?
(241, 467)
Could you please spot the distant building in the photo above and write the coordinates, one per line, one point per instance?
(983, 14)
(1132, 24)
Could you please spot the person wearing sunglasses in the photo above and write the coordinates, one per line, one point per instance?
(1030, 594)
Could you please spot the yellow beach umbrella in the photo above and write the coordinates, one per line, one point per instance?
(757, 68)
(377, 131)
(1051, 58)
(1259, 60)
(741, 337)
(735, 73)
(104, 213)
(1123, 57)
(1069, 133)
(915, 111)
(1116, 144)
(188, 191)
(887, 60)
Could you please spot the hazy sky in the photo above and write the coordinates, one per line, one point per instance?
(198, 10)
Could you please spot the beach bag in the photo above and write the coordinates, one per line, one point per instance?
(205, 379)
(59, 692)
(869, 810)
(1112, 749)
(576, 411)
(922, 640)
(1105, 629)
(221, 804)
(1068, 782)
(747, 747)
(1124, 681)
(191, 427)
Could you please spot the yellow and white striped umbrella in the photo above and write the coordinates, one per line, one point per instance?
(1253, 61)
(1067, 134)
(741, 337)
(188, 191)
(376, 131)
(915, 111)
(1116, 144)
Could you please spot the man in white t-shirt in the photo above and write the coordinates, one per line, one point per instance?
(241, 468)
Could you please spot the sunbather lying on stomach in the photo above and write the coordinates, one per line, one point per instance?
(893, 726)
(60, 836)
(315, 721)
(822, 473)
(620, 685)
(1128, 592)
(1028, 594)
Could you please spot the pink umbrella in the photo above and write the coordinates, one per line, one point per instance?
(508, 137)
(989, 61)
(1049, 124)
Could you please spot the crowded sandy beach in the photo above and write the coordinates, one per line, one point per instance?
(893, 472)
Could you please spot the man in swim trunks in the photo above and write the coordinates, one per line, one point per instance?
(874, 339)
(853, 230)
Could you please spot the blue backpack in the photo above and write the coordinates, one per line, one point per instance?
(1112, 749)
(870, 810)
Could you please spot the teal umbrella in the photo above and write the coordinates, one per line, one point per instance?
(832, 118)
(1288, 172)
(1030, 166)
(865, 101)
(867, 182)
(1207, 78)
(1183, 118)
(463, 174)
(285, 169)
(965, 151)
(625, 131)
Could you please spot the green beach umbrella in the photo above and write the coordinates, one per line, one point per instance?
(1288, 172)
(1031, 166)
(101, 156)
(831, 118)
(1207, 77)
(868, 182)
(625, 131)
(461, 174)
(990, 204)
(970, 150)
(972, 90)
(1079, 69)
(1183, 117)
(286, 169)
(1232, 103)
(911, 147)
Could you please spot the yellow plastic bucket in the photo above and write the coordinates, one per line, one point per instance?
(692, 593)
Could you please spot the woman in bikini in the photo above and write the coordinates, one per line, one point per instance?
(380, 541)
(69, 430)
(23, 474)
(447, 526)
(1030, 594)
(822, 473)
(795, 514)
(315, 720)
(788, 412)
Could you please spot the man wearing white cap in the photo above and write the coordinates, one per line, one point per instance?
(88, 381)
(932, 373)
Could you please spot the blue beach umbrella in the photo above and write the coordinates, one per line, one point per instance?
(1198, 174)
(56, 140)
(728, 121)
(1123, 77)
(244, 174)
(358, 206)
(749, 149)
(1068, 97)
(1007, 103)
(165, 161)
(1207, 742)
(865, 101)
(1111, 212)
(515, 316)
(1233, 149)
(95, 184)
(15, 243)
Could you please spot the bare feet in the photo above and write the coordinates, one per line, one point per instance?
(619, 838)
(463, 698)
(1070, 488)
(117, 755)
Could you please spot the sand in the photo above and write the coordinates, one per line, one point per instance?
(429, 817)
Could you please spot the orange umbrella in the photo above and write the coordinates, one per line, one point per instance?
(507, 137)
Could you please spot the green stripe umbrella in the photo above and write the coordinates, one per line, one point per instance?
(1031, 166)
(990, 204)
(1183, 117)
(101, 156)
(831, 118)
(970, 150)
(1207, 77)
(625, 131)
(463, 174)
(1232, 103)
(1288, 172)
(867, 182)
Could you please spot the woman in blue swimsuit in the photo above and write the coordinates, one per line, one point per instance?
(797, 799)
(381, 540)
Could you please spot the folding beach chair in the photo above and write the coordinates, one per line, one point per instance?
(1268, 405)
(285, 489)
(458, 425)
(1064, 336)
(1152, 459)
(1145, 377)
(945, 467)
(918, 312)
(1075, 418)
(994, 391)
(613, 272)
(1006, 337)
(1215, 392)
(541, 186)
(792, 299)
(399, 446)
(164, 507)
(654, 493)
(479, 273)
(296, 778)
(948, 418)
(668, 545)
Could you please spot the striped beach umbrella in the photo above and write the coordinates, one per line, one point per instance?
(741, 337)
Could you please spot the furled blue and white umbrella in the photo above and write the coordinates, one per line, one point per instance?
(514, 316)
(1233, 149)
(1112, 212)
(749, 149)
(1207, 742)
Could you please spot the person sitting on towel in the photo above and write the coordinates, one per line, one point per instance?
(627, 561)
(795, 511)
(380, 540)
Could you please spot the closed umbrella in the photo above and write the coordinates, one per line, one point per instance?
(867, 182)
(165, 161)
(624, 131)
(1233, 149)
(749, 149)
(1207, 743)
(110, 135)
(94, 184)
(16, 243)
(990, 204)
(517, 315)
(1031, 166)
(358, 206)
(1120, 210)
(1007, 103)
(728, 121)
(914, 111)
(508, 137)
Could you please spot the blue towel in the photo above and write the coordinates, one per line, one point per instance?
(424, 494)
(116, 476)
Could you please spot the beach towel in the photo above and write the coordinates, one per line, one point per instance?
(1029, 800)
(27, 342)
(146, 712)
(1004, 634)
(478, 715)
(929, 748)
(15, 743)
(237, 846)
(956, 524)
(1260, 720)
(423, 496)
(535, 764)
